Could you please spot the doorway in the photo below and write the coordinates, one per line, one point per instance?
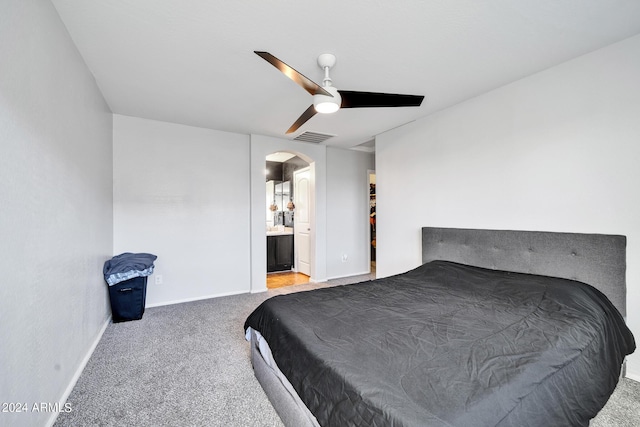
(372, 221)
(288, 220)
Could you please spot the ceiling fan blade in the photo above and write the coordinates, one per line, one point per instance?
(306, 83)
(354, 99)
(309, 112)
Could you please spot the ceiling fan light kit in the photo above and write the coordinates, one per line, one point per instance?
(327, 104)
(327, 99)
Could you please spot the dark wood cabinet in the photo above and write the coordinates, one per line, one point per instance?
(279, 253)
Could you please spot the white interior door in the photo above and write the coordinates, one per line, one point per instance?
(302, 220)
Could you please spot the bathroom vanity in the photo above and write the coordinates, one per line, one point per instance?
(280, 250)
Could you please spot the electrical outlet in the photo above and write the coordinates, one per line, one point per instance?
(158, 279)
(344, 257)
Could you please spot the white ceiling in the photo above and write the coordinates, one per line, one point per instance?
(192, 62)
(279, 157)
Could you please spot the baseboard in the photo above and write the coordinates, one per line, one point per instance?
(349, 275)
(630, 371)
(76, 376)
(180, 301)
(633, 377)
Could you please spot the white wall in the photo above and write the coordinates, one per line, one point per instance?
(315, 154)
(556, 151)
(182, 193)
(348, 211)
(55, 210)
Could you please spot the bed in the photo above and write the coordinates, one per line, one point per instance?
(495, 328)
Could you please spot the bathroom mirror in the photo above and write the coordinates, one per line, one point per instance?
(279, 188)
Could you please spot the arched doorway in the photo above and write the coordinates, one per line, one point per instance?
(288, 219)
(315, 155)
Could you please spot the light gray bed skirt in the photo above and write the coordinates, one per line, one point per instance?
(287, 403)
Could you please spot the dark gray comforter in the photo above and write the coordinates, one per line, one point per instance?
(449, 345)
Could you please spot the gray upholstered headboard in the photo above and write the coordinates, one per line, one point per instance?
(596, 259)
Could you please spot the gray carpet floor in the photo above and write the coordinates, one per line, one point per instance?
(188, 365)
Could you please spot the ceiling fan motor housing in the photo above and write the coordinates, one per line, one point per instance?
(327, 104)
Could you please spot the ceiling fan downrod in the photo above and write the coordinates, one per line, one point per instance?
(326, 61)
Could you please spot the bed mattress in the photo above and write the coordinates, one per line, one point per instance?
(448, 344)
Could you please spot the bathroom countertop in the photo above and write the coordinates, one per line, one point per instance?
(280, 231)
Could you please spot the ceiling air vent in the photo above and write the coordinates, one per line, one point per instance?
(315, 137)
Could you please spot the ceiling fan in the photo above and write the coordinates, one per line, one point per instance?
(328, 99)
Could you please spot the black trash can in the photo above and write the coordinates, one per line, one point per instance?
(126, 275)
(128, 299)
